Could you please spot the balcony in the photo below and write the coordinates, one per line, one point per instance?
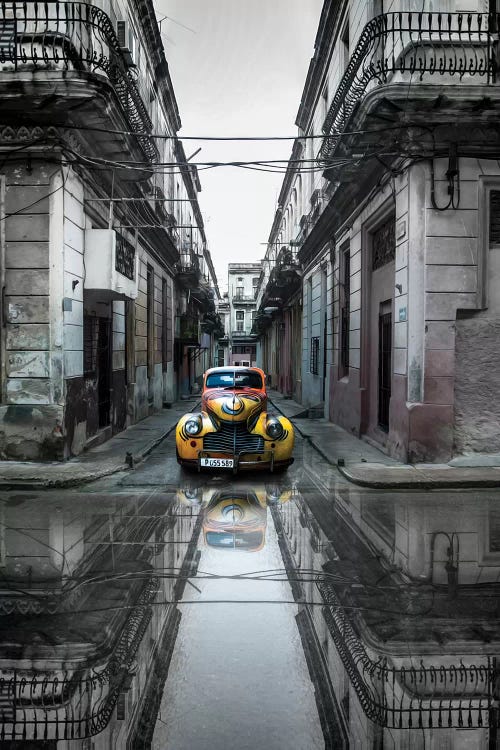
(243, 299)
(187, 329)
(400, 54)
(187, 269)
(74, 49)
(238, 335)
(288, 271)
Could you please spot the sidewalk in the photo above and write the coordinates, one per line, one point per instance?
(122, 451)
(358, 461)
(366, 466)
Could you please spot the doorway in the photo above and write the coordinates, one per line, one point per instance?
(384, 365)
(104, 371)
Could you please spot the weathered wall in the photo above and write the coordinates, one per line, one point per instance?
(313, 317)
(477, 385)
(31, 413)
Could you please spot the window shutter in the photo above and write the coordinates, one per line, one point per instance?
(121, 33)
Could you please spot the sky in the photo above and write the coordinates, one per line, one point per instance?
(238, 68)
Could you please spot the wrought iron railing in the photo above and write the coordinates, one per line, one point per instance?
(421, 44)
(73, 705)
(72, 36)
(188, 262)
(412, 695)
(187, 327)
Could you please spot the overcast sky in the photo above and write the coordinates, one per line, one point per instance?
(239, 72)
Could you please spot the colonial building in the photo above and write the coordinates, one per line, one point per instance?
(396, 227)
(104, 263)
(243, 279)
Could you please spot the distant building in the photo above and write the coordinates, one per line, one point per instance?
(222, 354)
(243, 279)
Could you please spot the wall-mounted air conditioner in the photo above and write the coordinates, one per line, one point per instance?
(111, 264)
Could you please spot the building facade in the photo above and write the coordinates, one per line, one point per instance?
(396, 226)
(94, 232)
(242, 284)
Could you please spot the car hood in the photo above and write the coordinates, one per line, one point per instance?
(235, 404)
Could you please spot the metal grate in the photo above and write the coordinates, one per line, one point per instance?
(384, 244)
(90, 329)
(314, 356)
(384, 369)
(344, 312)
(233, 438)
(495, 217)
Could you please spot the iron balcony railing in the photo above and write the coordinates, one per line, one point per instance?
(188, 262)
(287, 258)
(455, 45)
(414, 695)
(72, 36)
(73, 705)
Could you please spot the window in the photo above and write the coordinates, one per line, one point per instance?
(345, 47)
(314, 356)
(90, 329)
(345, 294)
(494, 217)
(150, 280)
(324, 101)
(166, 348)
(239, 292)
(248, 379)
(120, 707)
(240, 320)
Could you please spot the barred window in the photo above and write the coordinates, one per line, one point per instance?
(314, 355)
(384, 244)
(345, 310)
(495, 217)
(90, 330)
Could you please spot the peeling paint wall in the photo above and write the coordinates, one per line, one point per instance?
(31, 414)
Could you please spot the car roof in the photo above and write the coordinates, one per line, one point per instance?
(230, 368)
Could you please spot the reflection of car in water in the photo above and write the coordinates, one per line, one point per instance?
(235, 518)
(234, 430)
(235, 522)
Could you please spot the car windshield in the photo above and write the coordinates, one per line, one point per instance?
(232, 378)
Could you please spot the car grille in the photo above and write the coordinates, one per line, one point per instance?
(233, 438)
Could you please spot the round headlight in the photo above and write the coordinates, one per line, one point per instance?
(274, 429)
(193, 426)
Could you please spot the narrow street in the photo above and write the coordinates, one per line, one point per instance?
(162, 609)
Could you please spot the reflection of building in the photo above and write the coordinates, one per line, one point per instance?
(243, 280)
(405, 614)
(98, 582)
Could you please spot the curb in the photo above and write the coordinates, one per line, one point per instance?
(417, 484)
(130, 460)
(420, 484)
(303, 435)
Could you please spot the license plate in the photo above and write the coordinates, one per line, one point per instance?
(217, 463)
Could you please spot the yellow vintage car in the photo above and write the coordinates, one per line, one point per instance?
(233, 430)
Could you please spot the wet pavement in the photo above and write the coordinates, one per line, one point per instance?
(160, 609)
